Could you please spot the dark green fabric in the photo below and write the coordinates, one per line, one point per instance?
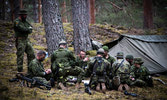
(22, 28)
(110, 59)
(81, 63)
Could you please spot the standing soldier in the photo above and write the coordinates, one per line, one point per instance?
(100, 70)
(107, 56)
(129, 58)
(22, 29)
(140, 75)
(82, 60)
(63, 64)
(121, 72)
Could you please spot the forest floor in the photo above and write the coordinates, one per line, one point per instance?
(101, 33)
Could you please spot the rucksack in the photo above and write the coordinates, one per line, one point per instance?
(99, 67)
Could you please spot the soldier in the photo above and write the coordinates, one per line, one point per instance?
(107, 56)
(121, 72)
(22, 29)
(140, 75)
(129, 58)
(63, 65)
(82, 60)
(100, 70)
(37, 71)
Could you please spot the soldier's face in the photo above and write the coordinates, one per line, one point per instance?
(41, 57)
(23, 17)
(82, 54)
(137, 65)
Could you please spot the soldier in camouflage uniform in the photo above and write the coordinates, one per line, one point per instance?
(22, 29)
(107, 56)
(37, 71)
(63, 65)
(82, 60)
(99, 69)
(129, 58)
(121, 72)
(140, 75)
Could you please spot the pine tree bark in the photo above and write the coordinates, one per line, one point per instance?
(3, 10)
(92, 11)
(16, 5)
(63, 11)
(148, 16)
(35, 11)
(21, 4)
(81, 25)
(53, 24)
(39, 11)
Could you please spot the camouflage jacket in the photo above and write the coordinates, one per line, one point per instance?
(80, 62)
(36, 68)
(103, 68)
(110, 59)
(63, 57)
(22, 29)
(123, 70)
(139, 73)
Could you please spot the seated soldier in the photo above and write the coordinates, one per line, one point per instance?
(82, 60)
(129, 58)
(63, 65)
(140, 75)
(37, 71)
(121, 73)
(99, 69)
(107, 56)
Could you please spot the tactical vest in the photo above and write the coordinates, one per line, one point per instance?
(99, 67)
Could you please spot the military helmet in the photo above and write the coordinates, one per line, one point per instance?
(100, 51)
(138, 60)
(62, 42)
(129, 57)
(120, 55)
(105, 48)
(23, 12)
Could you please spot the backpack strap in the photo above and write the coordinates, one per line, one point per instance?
(117, 66)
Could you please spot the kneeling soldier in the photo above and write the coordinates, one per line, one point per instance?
(140, 75)
(99, 69)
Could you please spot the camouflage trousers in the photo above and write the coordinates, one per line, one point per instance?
(74, 71)
(44, 79)
(138, 82)
(117, 81)
(94, 80)
(23, 45)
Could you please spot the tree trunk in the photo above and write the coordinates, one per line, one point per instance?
(92, 11)
(35, 11)
(81, 25)
(3, 9)
(63, 11)
(148, 16)
(39, 11)
(16, 10)
(11, 9)
(21, 4)
(53, 24)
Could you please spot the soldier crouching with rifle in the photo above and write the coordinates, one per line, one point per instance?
(99, 69)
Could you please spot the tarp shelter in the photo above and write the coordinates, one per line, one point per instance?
(151, 48)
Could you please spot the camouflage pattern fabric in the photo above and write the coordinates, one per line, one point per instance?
(22, 29)
(141, 76)
(82, 64)
(99, 72)
(37, 71)
(122, 72)
(63, 64)
(110, 59)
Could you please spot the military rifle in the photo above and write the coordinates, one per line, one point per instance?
(87, 88)
(34, 82)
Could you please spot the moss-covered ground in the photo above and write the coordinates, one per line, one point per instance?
(101, 33)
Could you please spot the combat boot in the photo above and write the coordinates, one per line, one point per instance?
(98, 87)
(77, 86)
(62, 86)
(126, 87)
(103, 88)
(120, 87)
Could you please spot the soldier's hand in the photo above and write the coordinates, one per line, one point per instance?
(30, 28)
(48, 71)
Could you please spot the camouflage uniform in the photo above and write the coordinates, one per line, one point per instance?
(37, 71)
(121, 71)
(110, 58)
(128, 58)
(22, 30)
(63, 64)
(141, 75)
(81, 63)
(100, 70)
